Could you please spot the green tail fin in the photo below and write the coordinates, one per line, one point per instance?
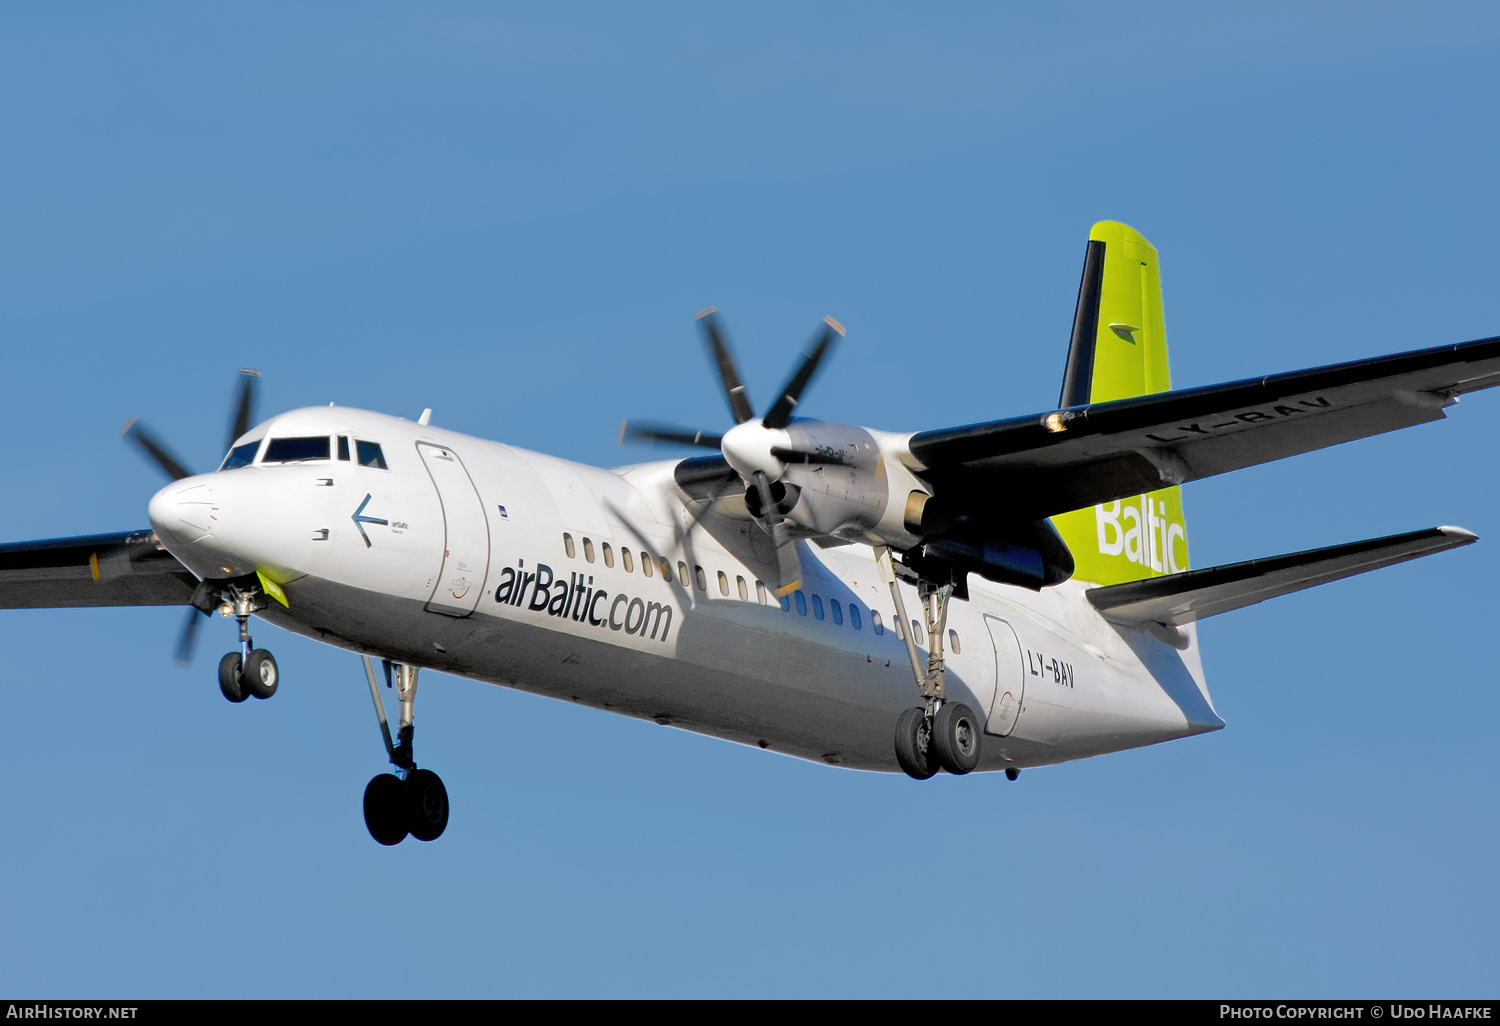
(1119, 350)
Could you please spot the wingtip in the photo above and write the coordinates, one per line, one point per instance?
(1462, 535)
(835, 325)
(128, 425)
(705, 312)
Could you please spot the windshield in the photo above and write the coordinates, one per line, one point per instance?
(241, 455)
(293, 450)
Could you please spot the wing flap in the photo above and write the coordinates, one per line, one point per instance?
(1069, 459)
(128, 568)
(1183, 598)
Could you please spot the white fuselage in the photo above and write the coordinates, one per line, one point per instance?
(507, 566)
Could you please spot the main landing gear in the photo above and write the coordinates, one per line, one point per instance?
(411, 800)
(937, 734)
(251, 671)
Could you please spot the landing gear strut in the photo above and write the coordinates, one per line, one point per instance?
(251, 670)
(937, 734)
(411, 800)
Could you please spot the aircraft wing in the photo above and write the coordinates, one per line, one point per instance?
(1069, 459)
(124, 569)
(1182, 598)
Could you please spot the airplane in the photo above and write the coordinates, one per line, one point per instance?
(990, 597)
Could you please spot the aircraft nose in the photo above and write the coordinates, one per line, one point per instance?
(185, 509)
(188, 519)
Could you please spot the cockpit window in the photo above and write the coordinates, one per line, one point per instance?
(370, 455)
(241, 455)
(293, 450)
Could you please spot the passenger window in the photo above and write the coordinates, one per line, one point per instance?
(760, 592)
(900, 632)
(370, 455)
(682, 574)
(854, 616)
(744, 588)
(786, 603)
(723, 583)
(837, 611)
(801, 602)
(875, 624)
(628, 560)
(666, 569)
(917, 633)
(568, 546)
(702, 580)
(295, 450)
(609, 555)
(344, 448)
(241, 455)
(953, 642)
(588, 550)
(817, 607)
(646, 563)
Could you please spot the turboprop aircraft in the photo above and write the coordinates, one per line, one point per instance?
(991, 597)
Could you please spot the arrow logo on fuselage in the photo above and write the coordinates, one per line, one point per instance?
(360, 520)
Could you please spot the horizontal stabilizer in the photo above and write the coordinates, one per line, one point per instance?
(124, 569)
(1182, 598)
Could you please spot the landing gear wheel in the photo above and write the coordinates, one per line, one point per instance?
(231, 682)
(385, 809)
(914, 744)
(426, 805)
(955, 738)
(260, 674)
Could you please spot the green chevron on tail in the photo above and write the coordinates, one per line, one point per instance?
(1119, 350)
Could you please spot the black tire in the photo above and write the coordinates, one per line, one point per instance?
(385, 809)
(231, 682)
(913, 744)
(426, 805)
(261, 675)
(956, 733)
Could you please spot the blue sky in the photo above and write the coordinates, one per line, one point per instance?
(510, 214)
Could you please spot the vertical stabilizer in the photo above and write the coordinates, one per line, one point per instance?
(1119, 350)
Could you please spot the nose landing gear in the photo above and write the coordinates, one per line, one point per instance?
(414, 802)
(251, 671)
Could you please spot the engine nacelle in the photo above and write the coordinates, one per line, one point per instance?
(847, 486)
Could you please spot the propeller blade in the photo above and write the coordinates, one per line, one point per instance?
(781, 413)
(244, 411)
(788, 566)
(153, 447)
(188, 639)
(666, 434)
(729, 374)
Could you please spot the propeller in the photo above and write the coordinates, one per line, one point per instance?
(757, 450)
(158, 453)
(187, 641)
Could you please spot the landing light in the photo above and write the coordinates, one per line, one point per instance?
(1054, 422)
(226, 610)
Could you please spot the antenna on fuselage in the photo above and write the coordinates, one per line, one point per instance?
(425, 417)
